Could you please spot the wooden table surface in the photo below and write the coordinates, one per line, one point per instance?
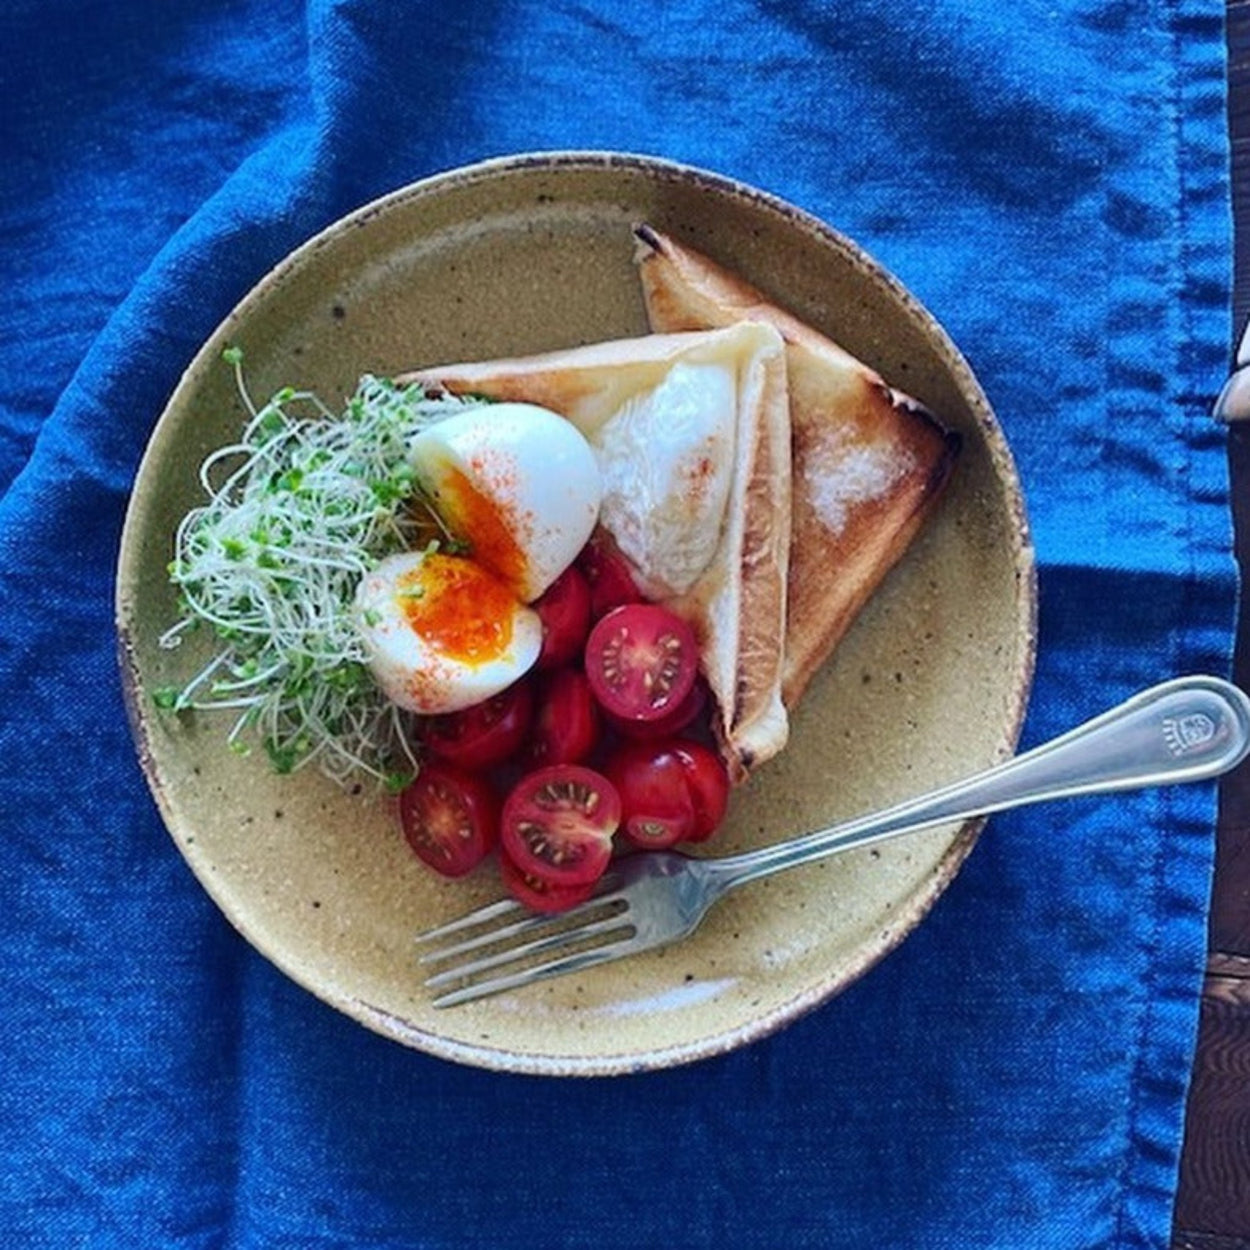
(1213, 1199)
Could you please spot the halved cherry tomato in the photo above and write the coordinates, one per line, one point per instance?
(558, 823)
(681, 718)
(566, 722)
(564, 610)
(642, 660)
(673, 791)
(537, 893)
(485, 734)
(450, 818)
(607, 575)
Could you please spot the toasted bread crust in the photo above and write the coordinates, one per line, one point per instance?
(738, 606)
(869, 462)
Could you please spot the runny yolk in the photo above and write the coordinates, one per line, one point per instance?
(475, 516)
(459, 608)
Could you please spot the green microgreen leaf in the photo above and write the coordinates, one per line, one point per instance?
(397, 781)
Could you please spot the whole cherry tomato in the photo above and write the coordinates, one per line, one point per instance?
(671, 791)
(485, 734)
(564, 610)
(565, 728)
(607, 574)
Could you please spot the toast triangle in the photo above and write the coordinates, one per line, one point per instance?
(869, 462)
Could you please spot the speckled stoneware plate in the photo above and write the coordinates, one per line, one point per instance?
(529, 253)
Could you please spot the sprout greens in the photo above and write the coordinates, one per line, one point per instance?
(299, 509)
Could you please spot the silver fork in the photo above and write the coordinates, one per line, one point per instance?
(1188, 729)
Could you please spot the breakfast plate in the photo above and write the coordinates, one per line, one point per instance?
(530, 254)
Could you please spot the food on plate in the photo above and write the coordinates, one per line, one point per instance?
(567, 721)
(869, 462)
(607, 575)
(516, 484)
(671, 791)
(450, 818)
(562, 603)
(558, 822)
(486, 734)
(691, 435)
(518, 490)
(441, 632)
(564, 609)
(641, 661)
(540, 893)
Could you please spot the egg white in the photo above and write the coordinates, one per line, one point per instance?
(536, 468)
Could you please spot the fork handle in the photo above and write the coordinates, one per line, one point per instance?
(1187, 729)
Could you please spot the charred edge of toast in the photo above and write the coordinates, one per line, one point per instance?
(952, 440)
(745, 754)
(646, 235)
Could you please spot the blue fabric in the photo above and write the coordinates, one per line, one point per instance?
(1050, 179)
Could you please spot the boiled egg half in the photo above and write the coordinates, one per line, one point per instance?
(518, 483)
(518, 487)
(442, 632)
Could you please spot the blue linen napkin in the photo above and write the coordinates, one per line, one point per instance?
(1050, 180)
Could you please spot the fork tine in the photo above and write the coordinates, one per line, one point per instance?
(528, 923)
(515, 980)
(509, 906)
(552, 941)
(492, 911)
(518, 928)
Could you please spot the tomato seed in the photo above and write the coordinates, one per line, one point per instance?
(569, 793)
(542, 847)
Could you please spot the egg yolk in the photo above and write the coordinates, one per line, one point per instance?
(470, 514)
(459, 608)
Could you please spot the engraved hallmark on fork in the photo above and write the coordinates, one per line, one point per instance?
(1188, 733)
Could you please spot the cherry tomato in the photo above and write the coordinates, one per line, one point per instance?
(450, 818)
(485, 734)
(537, 893)
(709, 786)
(607, 575)
(642, 660)
(672, 791)
(558, 823)
(656, 806)
(566, 723)
(564, 610)
(669, 725)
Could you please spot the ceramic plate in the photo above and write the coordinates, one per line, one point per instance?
(531, 253)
